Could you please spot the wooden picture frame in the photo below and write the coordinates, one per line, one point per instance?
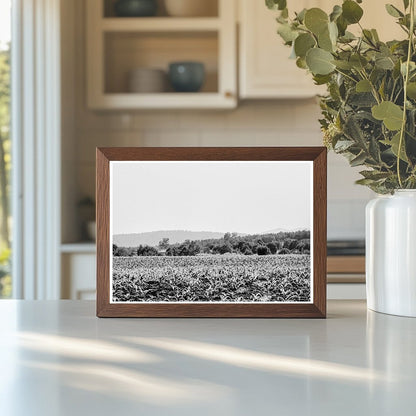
(315, 308)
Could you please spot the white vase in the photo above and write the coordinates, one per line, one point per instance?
(391, 253)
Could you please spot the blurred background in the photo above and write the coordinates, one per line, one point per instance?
(146, 73)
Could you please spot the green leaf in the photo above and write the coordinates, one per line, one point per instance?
(343, 145)
(347, 37)
(354, 132)
(342, 25)
(365, 182)
(276, 4)
(345, 65)
(368, 36)
(325, 42)
(411, 90)
(375, 35)
(321, 79)
(384, 62)
(301, 63)
(320, 61)
(287, 33)
(362, 99)
(374, 174)
(391, 114)
(405, 21)
(358, 160)
(333, 32)
(301, 15)
(336, 12)
(358, 61)
(393, 11)
(394, 145)
(363, 86)
(352, 12)
(374, 150)
(316, 20)
(412, 67)
(303, 43)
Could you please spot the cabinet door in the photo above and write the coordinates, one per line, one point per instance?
(78, 276)
(265, 68)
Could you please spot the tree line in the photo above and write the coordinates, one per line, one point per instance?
(297, 242)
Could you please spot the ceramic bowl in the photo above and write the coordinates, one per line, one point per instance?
(147, 80)
(186, 76)
(191, 8)
(135, 8)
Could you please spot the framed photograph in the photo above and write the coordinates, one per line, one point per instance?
(211, 232)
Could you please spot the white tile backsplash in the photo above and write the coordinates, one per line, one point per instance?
(346, 219)
(258, 123)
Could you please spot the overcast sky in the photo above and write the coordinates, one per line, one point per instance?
(243, 197)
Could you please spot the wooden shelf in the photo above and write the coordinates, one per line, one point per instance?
(87, 247)
(160, 24)
(346, 269)
(346, 264)
(197, 100)
(117, 45)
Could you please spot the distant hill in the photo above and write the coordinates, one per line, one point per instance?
(152, 238)
(284, 230)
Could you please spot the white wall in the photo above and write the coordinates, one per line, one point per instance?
(257, 123)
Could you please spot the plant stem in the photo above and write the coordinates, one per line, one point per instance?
(346, 75)
(406, 80)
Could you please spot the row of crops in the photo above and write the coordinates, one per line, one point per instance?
(212, 278)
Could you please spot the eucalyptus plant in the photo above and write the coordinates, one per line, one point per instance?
(369, 111)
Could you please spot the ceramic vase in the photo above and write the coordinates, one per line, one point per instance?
(391, 253)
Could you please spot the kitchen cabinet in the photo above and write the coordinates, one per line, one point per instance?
(118, 45)
(265, 70)
(264, 65)
(78, 263)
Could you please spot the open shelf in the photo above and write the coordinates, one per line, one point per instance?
(211, 9)
(126, 51)
(119, 45)
(160, 24)
(87, 247)
(167, 100)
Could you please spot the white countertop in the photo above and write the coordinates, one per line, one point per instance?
(56, 358)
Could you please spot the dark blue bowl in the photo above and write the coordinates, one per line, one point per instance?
(135, 8)
(187, 76)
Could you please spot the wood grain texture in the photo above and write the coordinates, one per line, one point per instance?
(317, 309)
(346, 264)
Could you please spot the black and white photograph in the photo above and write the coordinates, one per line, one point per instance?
(211, 231)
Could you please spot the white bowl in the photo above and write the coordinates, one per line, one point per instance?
(191, 8)
(147, 80)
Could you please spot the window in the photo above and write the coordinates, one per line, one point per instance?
(5, 147)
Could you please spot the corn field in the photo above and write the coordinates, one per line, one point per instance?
(212, 278)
